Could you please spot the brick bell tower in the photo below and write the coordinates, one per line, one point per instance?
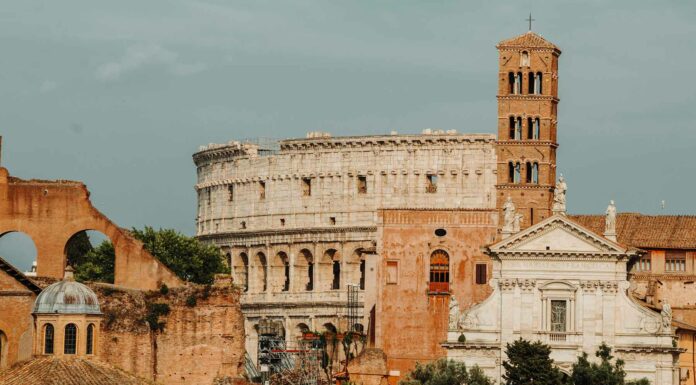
(527, 108)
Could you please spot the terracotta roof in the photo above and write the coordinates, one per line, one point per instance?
(527, 40)
(66, 371)
(648, 231)
(21, 278)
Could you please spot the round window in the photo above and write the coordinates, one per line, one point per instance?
(440, 232)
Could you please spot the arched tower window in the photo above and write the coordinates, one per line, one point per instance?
(537, 84)
(518, 128)
(524, 59)
(439, 272)
(90, 339)
(528, 172)
(530, 128)
(49, 337)
(535, 173)
(511, 83)
(511, 172)
(512, 127)
(70, 339)
(3, 349)
(518, 84)
(517, 178)
(535, 129)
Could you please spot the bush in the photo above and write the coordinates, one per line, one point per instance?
(155, 310)
(445, 372)
(462, 338)
(529, 363)
(191, 301)
(164, 289)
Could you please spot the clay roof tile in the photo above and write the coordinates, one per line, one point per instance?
(527, 40)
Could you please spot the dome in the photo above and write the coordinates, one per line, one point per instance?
(67, 297)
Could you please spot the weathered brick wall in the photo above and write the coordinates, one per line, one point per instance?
(16, 322)
(198, 343)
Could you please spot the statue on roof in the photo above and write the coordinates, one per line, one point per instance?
(559, 197)
(509, 216)
(610, 221)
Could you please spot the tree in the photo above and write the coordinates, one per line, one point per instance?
(445, 372)
(78, 246)
(529, 363)
(189, 259)
(602, 373)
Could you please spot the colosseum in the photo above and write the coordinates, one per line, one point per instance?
(298, 219)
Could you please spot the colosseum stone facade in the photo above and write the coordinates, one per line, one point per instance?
(297, 221)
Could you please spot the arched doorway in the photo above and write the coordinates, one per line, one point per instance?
(92, 255)
(18, 249)
(3, 350)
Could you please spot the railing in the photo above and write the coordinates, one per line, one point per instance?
(557, 337)
(438, 287)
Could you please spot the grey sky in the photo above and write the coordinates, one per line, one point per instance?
(119, 94)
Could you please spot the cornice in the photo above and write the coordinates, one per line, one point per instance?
(529, 97)
(276, 232)
(526, 142)
(662, 276)
(523, 186)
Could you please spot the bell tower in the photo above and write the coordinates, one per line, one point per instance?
(527, 108)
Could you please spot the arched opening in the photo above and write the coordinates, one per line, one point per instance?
(537, 84)
(439, 272)
(70, 339)
(3, 349)
(535, 173)
(524, 59)
(518, 128)
(304, 271)
(18, 249)
(517, 177)
(528, 172)
(281, 272)
(49, 338)
(518, 83)
(261, 267)
(240, 268)
(358, 328)
(511, 83)
(302, 328)
(331, 269)
(535, 129)
(329, 327)
(512, 128)
(89, 349)
(511, 172)
(530, 83)
(92, 255)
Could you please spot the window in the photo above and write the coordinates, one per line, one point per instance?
(535, 129)
(512, 128)
(537, 84)
(558, 315)
(516, 173)
(208, 197)
(644, 264)
(282, 222)
(242, 225)
(49, 337)
(306, 187)
(431, 184)
(528, 172)
(511, 172)
(362, 274)
(332, 220)
(675, 261)
(261, 265)
(262, 190)
(70, 340)
(439, 272)
(535, 173)
(481, 273)
(230, 193)
(517, 86)
(392, 272)
(310, 276)
(362, 184)
(518, 128)
(90, 339)
(336, 282)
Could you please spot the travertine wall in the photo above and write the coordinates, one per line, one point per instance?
(16, 322)
(314, 202)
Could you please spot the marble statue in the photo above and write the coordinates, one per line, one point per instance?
(666, 314)
(509, 216)
(516, 222)
(559, 196)
(610, 221)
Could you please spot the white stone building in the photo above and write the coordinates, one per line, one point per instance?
(297, 221)
(561, 284)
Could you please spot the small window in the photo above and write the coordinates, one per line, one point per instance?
(524, 59)
(362, 184)
(90, 339)
(332, 220)
(70, 339)
(392, 272)
(675, 261)
(208, 196)
(431, 184)
(336, 281)
(262, 190)
(306, 187)
(481, 273)
(242, 225)
(230, 193)
(440, 232)
(282, 222)
(362, 274)
(49, 338)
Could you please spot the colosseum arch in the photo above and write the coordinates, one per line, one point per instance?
(304, 271)
(240, 269)
(259, 266)
(50, 212)
(330, 270)
(280, 272)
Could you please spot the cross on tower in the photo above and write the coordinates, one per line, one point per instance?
(530, 20)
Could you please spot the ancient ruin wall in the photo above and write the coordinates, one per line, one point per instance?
(51, 212)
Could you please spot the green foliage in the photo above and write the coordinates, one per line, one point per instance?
(191, 301)
(462, 338)
(78, 246)
(164, 289)
(642, 381)
(445, 372)
(96, 265)
(188, 258)
(529, 363)
(602, 373)
(154, 311)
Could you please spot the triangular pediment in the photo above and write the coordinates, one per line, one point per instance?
(558, 234)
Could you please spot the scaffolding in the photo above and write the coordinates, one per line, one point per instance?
(353, 308)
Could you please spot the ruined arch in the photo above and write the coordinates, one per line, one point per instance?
(80, 243)
(19, 249)
(280, 272)
(304, 271)
(50, 212)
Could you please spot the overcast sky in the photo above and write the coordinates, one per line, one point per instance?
(119, 94)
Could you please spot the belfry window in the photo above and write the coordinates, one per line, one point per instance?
(70, 339)
(511, 172)
(528, 172)
(517, 173)
(535, 129)
(49, 338)
(90, 339)
(518, 128)
(439, 272)
(537, 84)
(518, 84)
(535, 173)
